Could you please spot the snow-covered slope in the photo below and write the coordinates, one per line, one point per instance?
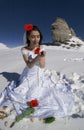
(3, 46)
(75, 40)
(68, 63)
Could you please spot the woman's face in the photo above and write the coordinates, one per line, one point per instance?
(34, 38)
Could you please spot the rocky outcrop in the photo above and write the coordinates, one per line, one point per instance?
(60, 31)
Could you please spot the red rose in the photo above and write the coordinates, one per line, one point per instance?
(33, 103)
(37, 50)
(28, 27)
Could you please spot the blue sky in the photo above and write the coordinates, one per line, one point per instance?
(15, 13)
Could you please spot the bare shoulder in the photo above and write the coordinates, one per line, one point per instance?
(24, 48)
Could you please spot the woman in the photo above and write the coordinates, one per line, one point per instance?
(54, 98)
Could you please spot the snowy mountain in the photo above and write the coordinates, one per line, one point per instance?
(3, 46)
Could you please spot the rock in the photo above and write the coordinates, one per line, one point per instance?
(6, 123)
(60, 31)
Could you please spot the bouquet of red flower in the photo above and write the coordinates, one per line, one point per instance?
(29, 110)
(33, 103)
(37, 50)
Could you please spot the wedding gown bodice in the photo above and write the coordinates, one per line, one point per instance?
(35, 71)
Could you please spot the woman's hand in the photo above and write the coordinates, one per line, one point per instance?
(41, 56)
(42, 53)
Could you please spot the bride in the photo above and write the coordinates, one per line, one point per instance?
(54, 98)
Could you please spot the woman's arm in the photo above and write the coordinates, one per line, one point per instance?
(30, 64)
(42, 59)
(39, 58)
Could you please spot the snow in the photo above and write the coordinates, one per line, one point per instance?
(3, 46)
(68, 62)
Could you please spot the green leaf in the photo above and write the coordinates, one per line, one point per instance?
(49, 120)
(28, 112)
(19, 118)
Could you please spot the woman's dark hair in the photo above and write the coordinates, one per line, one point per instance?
(35, 28)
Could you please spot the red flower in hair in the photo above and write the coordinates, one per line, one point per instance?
(28, 27)
(33, 103)
(37, 50)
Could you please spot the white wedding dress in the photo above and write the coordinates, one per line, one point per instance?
(54, 96)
